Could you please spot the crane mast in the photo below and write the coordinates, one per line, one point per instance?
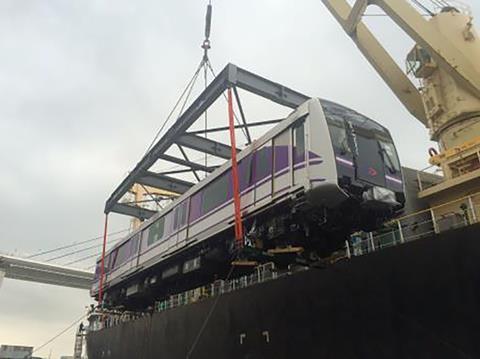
(446, 62)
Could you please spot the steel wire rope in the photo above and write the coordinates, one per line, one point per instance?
(440, 3)
(91, 255)
(205, 79)
(436, 3)
(56, 336)
(423, 7)
(209, 64)
(209, 314)
(81, 250)
(187, 88)
(82, 259)
(75, 244)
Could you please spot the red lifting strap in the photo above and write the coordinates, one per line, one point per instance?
(102, 265)
(236, 192)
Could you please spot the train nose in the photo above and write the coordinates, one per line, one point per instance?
(379, 197)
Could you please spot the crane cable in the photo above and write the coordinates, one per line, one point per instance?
(206, 46)
(69, 254)
(57, 335)
(423, 7)
(187, 89)
(75, 244)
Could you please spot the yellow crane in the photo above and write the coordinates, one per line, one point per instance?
(446, 62)
(143, 196)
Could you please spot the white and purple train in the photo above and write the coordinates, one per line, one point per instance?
(320, 174)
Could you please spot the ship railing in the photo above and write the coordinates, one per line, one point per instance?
(452, 215)
(261, 274)
(429, 177)
(459, 213)
(105, 318)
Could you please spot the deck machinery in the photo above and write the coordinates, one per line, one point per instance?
(446, 62)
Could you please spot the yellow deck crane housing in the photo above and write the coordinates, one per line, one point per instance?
(446, 61)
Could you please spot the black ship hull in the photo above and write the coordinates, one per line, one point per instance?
(417, 300)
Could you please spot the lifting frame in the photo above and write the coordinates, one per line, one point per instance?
(230, 77)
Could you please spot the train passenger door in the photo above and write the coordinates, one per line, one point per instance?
(179, 222)
(299, 152)
(281, 162)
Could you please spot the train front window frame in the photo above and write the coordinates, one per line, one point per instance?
(389, 154)
(338, 134)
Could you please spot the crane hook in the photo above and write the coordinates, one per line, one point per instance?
(208, 25)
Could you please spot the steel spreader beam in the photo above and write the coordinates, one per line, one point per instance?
(192, 165)
(225, 128)
(230, 76)
(167, 183)
(205, 145)
(133, 211)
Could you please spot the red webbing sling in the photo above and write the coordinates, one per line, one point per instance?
(102, 265)
(236, 192)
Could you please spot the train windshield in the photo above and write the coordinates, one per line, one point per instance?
(390, 156)
(338, 133)
(361, 141)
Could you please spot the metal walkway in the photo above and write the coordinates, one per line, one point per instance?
(34, 271)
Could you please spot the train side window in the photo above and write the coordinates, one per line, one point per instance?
(280, 151)
(195, 207)
(135, 245)
(155, 231)
(97, 270)
(338, 134)
(299, 142)
(180, 215)
(215, 193)
(122, 254)
(245, 172)
(263, 163)
(183, 214)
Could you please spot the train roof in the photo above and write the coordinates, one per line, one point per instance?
(361, 120)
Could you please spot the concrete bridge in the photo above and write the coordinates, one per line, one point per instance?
(35, 271)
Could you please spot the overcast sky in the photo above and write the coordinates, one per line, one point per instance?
(84, 85)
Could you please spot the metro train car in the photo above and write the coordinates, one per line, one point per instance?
(310, 181)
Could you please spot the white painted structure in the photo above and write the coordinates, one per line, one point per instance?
(34, 271)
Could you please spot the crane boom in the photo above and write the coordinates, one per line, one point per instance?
(378, 57)
(446, 61)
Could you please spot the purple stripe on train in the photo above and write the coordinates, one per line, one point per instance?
(254, 170)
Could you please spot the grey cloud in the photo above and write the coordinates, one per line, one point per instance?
(85, 85)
